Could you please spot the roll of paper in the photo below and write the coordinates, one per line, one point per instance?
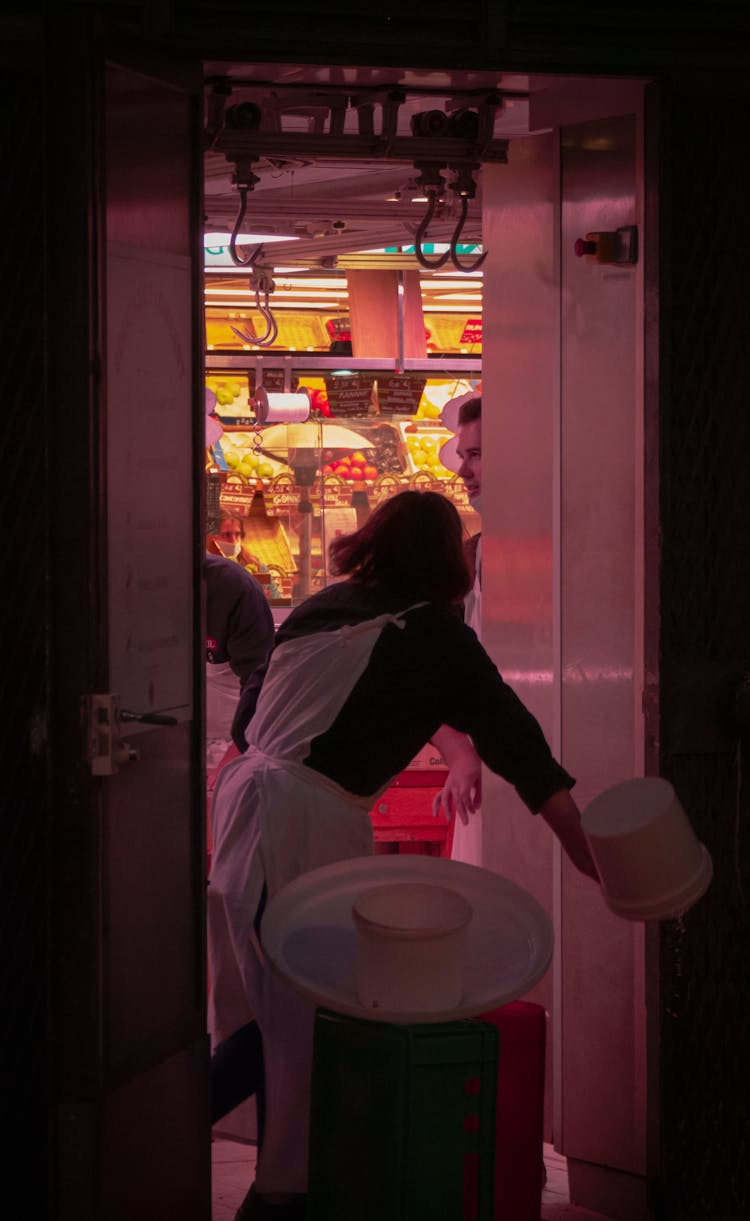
(280, 408)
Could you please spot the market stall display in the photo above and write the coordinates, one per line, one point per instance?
(322, 476)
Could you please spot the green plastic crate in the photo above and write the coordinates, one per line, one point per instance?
(402, 1121)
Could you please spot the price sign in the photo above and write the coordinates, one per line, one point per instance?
(385, 487)
(284, 495)
(472, 332)
(213, 502)
(351, 395)
(335, 493)
(237, 497)
(425, 482)
(400, 393)
(455, 490)
(273, 381)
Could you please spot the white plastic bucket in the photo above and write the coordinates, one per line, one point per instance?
(411, 943)
(650, 862)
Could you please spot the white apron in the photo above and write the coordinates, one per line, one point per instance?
(467, 840)
(272, 820)
(222, 697)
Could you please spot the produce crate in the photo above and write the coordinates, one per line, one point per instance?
(403, 822)
(519, 1154)
(422, 444)
(402, 1120)
(267, 539)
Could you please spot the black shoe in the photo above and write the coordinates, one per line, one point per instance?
(256, 1208)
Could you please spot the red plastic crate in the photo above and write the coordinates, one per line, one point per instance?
(519, 1124)
(402, 820)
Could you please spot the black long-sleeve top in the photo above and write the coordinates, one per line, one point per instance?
(433, 672)
(239, 621)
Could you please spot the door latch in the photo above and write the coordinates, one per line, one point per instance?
(106, 751)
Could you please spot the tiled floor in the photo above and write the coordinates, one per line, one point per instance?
(233, 1170)
(234, 1164)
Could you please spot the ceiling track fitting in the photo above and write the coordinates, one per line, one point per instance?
(250, 130)
(448, 149)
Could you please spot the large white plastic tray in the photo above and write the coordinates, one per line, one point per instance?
(308, 934)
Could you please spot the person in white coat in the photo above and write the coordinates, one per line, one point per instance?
(356, 685)
(460, 798)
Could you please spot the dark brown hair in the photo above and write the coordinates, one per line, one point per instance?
(410, 546)
(226, 516)
(470, 410)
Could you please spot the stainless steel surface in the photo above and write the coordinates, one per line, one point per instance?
(562, 539)
(603, 1070)
(519, 395)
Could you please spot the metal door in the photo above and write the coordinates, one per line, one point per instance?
(129, 1055)
(564, 609)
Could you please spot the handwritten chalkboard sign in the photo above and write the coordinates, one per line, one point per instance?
(273, 381)
(400, 393)
(385, 487)
(213, 502)
(455, 490)
(335, 493)
(236, 495)
(285, 496)
(423, 481)
(350, 395)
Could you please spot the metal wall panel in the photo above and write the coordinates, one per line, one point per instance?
(602, 1015)
(518, 411)
(562, 594)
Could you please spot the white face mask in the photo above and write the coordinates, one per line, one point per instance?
(476, 502)
(228, 549)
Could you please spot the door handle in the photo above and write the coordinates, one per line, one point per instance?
(147, 718)
(105, 750)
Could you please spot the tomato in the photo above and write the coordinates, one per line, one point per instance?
(371, 472)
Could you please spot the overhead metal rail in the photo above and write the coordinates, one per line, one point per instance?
(253, 127)
(449, 149)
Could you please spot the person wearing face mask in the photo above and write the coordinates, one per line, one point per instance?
(229, 541)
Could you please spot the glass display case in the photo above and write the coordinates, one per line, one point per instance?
(369, 433)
